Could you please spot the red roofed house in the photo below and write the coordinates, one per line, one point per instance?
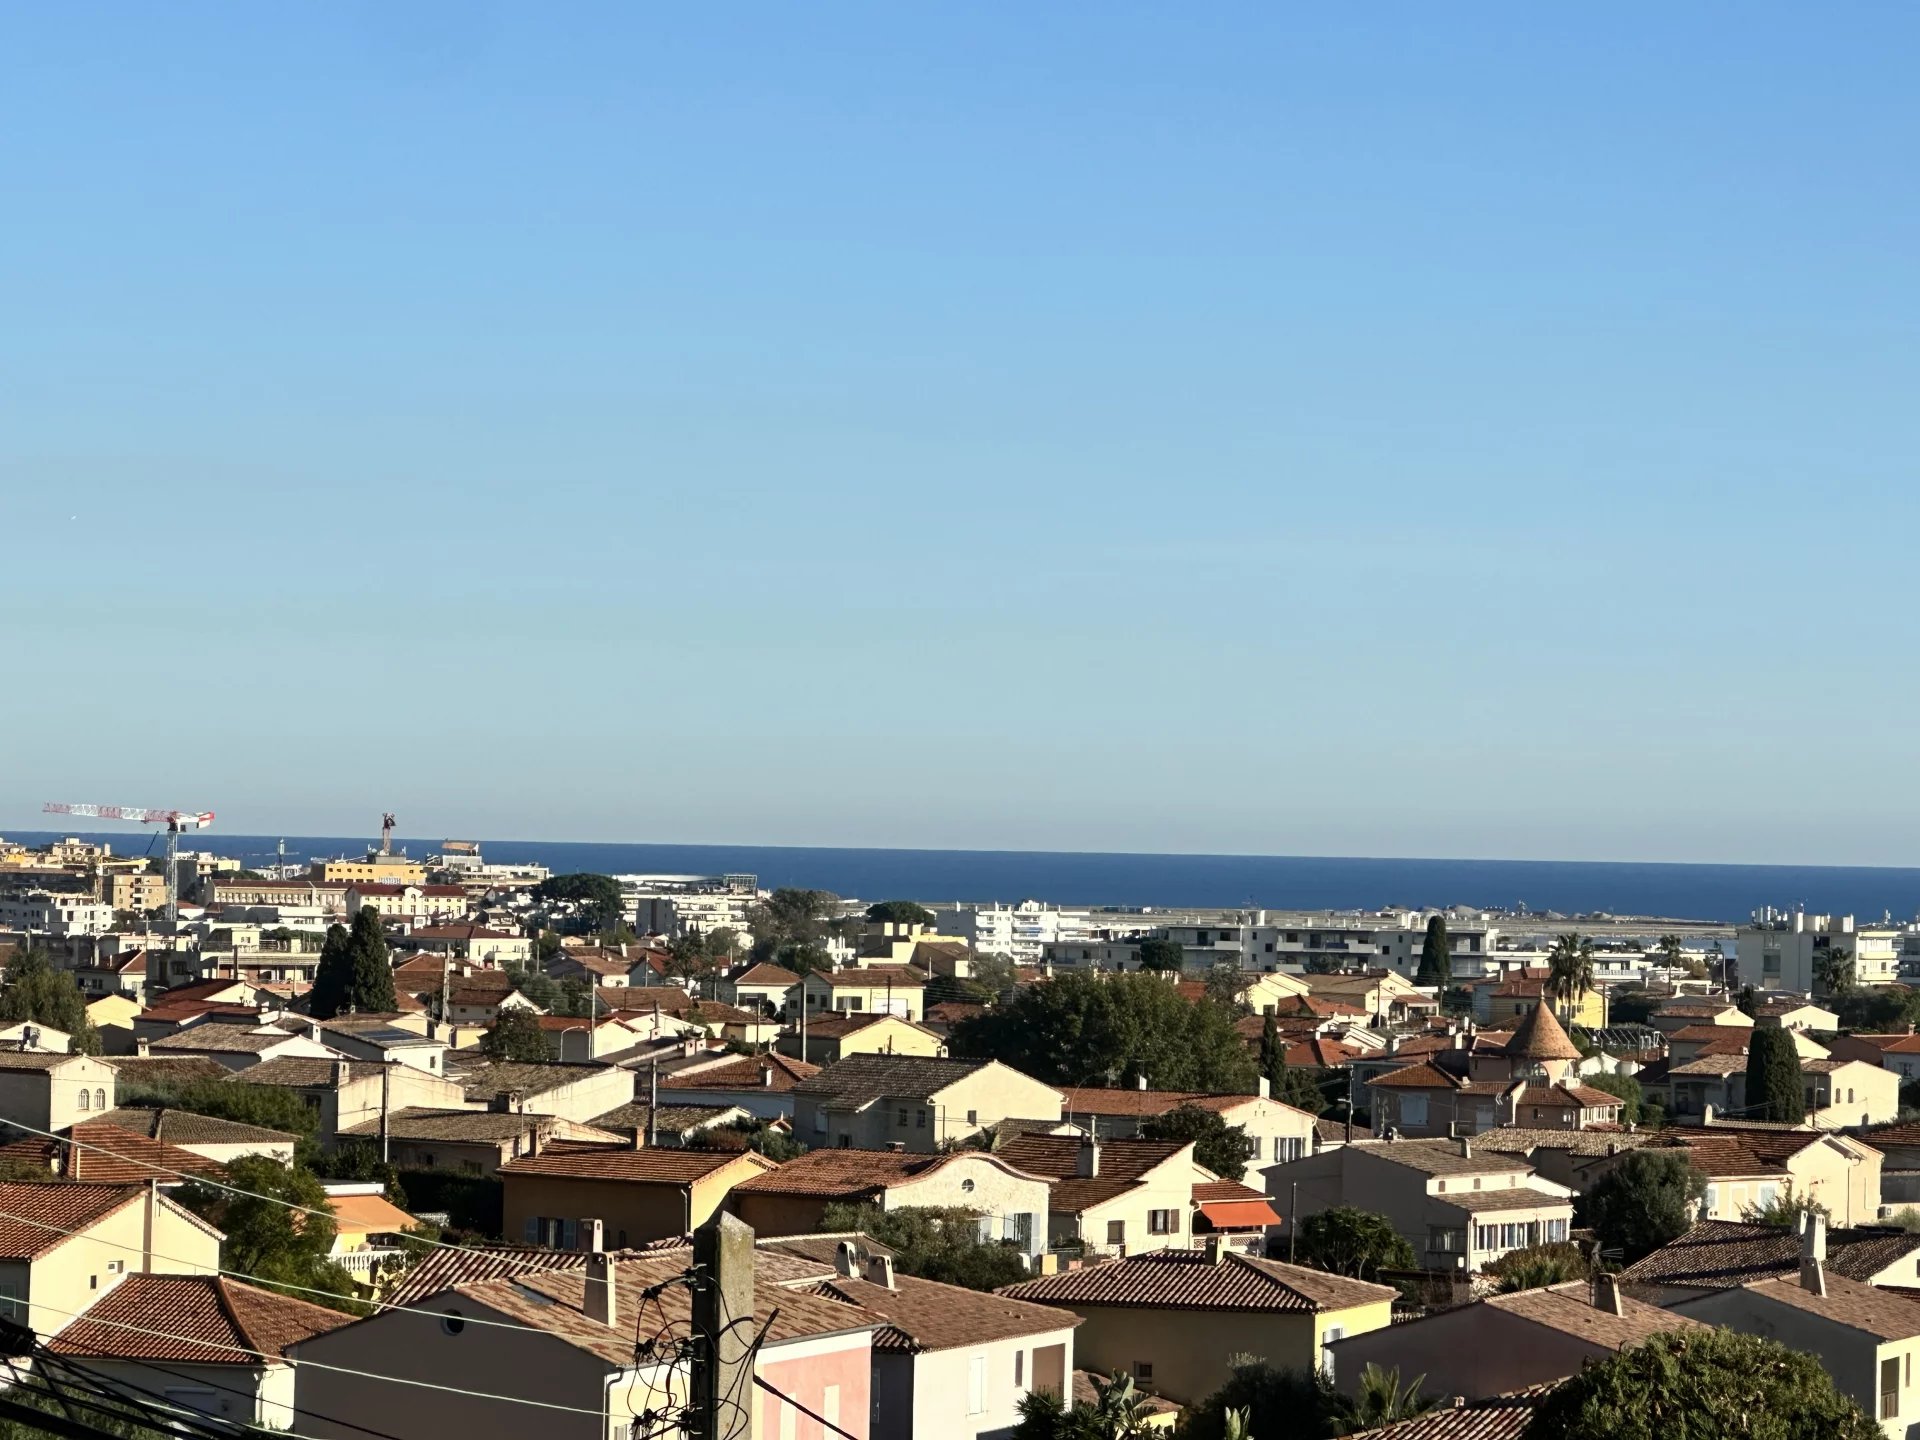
(759, 987)
(229, 1360)
(63, 1245)
(1239, 1212)
(762, 1085)
(639, 1194)
(465, 940)
(1117, 1197)
(1173, 1319)
(1279, 1132)
(414, 905)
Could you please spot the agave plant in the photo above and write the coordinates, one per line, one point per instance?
(1381, 1399)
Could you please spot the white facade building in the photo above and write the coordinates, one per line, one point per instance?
(1780, 950)
(1022, 932)
(42, 914)
(689, 904)
(1255, 940)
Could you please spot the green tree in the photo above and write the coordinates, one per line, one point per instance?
(594, 902)
(1436, 955)
(267, 1106)
(1082, 1028)
(1273, 1053)
(1354, 1242)
(371, 989)
(1833, 970)
(899, 912)
(546, 947)
(1222, 1148)
(332, 975)
(787, 915)
(1303, 1087)
(1701, 1385)
(1119, 1411)
(1552, 1263)
(271, 1243)
(1569, 973)
(1159, 953)
(1774, 1087)
(36, 991)
(1785, 1208)
(1748, 1002)
(56, 1394)
(1382, 1398)
(689, 958)
(803, 957)
(1275, 1403)
(1644, 1202)
(1625, 1087)
(934, 1243)
(516, 1035)
(1227, 985)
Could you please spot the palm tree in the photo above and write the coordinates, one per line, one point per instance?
(1833, 968)
(1381, 1399)
(1119, 1410)
(1569, 972)
(1671, 948)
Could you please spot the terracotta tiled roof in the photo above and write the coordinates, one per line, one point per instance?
(1058, 1156)
(210, 1320)
(952, 1012)
(860, 1080)
(1422, 1076)
(98, 1151)
(1540, 1037)
(746, 1072)
(855, 1173)
(34, 1060)
(301, 1072)
(1570, 1310)
(764, 974)
(36, 1217)
(463, 932)
(483, 1081)
(1710, 1066)
(873, 977)
(1440, 1157)
(672, 1119)
(1847, 1302)
(1513, 1197)
(1501, 1417)
(780, 1313)
(1522, 1140)
(1719, 1254)
(223, 1039)
(932, 1316)
(1568, 1096)
(473, 1127)
(1087, 1100)
(1189, 1280)
(581, 1161)
(168, 1070)
(838, 1027)
(184, 1127)
(1320, 1052)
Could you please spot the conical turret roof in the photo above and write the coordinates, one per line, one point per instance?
(1541, 1037)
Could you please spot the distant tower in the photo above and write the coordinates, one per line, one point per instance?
(386, 833)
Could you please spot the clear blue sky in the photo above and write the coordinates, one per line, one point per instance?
(1400, 430)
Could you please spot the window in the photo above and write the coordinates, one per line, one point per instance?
(973, 1117)
(451, 1323)
(819, 1122)
(1019, 1369)
(1257, 1141)
(1327, 1337)
(789, 1421)
(920, 1119)
(1889, 1387)
(846, 1142)
(1413, 1109)
(1163, 1222)
(1143, 1371)
(86, 1100)
(966, 1186)
(1116, 1232)
(903, 1117)
(977, 1385)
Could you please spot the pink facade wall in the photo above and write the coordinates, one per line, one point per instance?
(806, 1380)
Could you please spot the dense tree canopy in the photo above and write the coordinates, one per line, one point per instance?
(1275, 1404)
(1625, 1087)
(1159, 953)
(1436, 955)
(935, 1244)
(36, 991)
(1536, 1265)
(1088, 1028)
(1222, 1148)
(355, 974)
(1702, 1385)
(1644, 1202)
(516, 1035)
(790, 916)
(274, 1244)
(1354, 1242)
(1774, 1087)
(595, 901)
(899, 912)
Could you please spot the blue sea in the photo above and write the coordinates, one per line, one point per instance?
(1697, 892)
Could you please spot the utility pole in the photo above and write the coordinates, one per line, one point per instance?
(722, 1405)
(386, 1073)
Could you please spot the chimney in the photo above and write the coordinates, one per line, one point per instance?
(898, 1147)
(1706, 1114)
(592, 1236)
(1141, 1083)
(766, 1077)
(1606, 1295)
(1813, 1277)
(1264, 1088)
(1813, 1238)
(846, 1260)
(140, 1047)
(1216, 1249)
(880, 1271)
(1087, 1162)
(1466, 1148)
(639, 1134)
(598, 1301)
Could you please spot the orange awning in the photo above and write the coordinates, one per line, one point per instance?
(1238, 1214)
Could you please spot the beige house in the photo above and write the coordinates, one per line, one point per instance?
(476, 944)
(1507, 1342)
(236, 1046)
(468, 1142)
(1849, 1092)
(1459, 1207)
(571, 1092)
(343, 1094)
(1680, 1013)
(414, 903)
(68, 1243)
(1173, 1319)
(1866, 1338)
(1279, 1132)
(765, 988)
(1263, 992)
(834, 1037)
(227, 1362)
(1792, 1012)
(1752, 1168)
(638, 1194)
(1011, 1204)
(868, 1102)
(1383, 994)
(1110, 1197)
(50, 1092)
(112, 1019)
(866, 989)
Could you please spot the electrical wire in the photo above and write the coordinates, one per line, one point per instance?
(775, 1390)
(200, 1267)
(317, 1364)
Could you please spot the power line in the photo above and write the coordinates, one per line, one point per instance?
(775, 1390)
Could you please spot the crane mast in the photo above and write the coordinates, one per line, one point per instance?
(175, 821)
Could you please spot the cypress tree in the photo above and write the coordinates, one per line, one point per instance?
(1273, 1059)
(333, 976)
(1774, 1091)
(1436, 955)
(370, 976)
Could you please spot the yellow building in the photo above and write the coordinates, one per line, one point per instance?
(1509, 1000)
(1173, 1319)
(867, 989)
(833, 1037)
(638, 1194)
(375, 869)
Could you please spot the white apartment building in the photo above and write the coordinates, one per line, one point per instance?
(689, 904)
(1780, 950)
(40, 913)
(1255, 940)
(1022, 932)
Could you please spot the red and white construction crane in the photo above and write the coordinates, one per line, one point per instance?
(174, 820)
(387, 822)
